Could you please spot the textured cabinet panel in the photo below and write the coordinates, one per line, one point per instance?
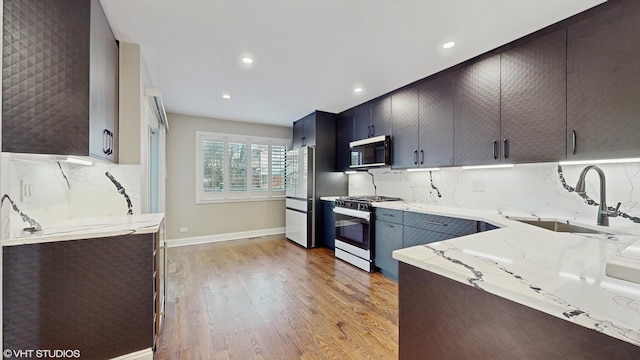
(304, 131)
(389, 215)
(45, 79)
(103, 86)
(443, 224)
(441, 318)
(381, 116)
(413, 236)
(60, 79)
(309, 123)
(477, 112)
(404, 127)
(362, 122)
(603, 82)
(298, 134)
(388, 238)
(436, 121)
(533, 96)
(95, 295)
(344, 134)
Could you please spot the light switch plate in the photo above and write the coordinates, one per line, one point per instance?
(479, 185)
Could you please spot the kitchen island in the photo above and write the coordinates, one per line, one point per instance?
(91, 285)
(518, 291)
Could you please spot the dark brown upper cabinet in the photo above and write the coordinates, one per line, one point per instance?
(477, 113)
(304, 132)
(60, 79)
(344, 135)
(405, 104)
(381, 116)
(372, 119)
(361, 122)
(533, 100)
(422, 124)
(435, 127)
(603, 95)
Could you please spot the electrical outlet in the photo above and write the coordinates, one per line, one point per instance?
(479, 185)
(26, 192)
(184, 229)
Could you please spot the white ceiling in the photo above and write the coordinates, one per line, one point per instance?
(311, 54)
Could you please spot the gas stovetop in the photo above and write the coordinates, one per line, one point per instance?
(362, 202)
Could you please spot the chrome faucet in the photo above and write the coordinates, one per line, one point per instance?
(603, 211)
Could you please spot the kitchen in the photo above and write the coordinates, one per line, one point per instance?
(504, 191)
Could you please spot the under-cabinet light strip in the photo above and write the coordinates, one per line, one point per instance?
(501, 166)
(603, 161)
(74, 160)
(424, 169)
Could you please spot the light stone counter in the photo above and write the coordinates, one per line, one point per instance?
(561, 274)
(92, 227)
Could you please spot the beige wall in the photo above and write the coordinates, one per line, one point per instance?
(211, 219)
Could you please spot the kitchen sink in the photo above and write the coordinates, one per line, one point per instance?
(558, 226)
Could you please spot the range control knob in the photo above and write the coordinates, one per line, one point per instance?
(363, 207)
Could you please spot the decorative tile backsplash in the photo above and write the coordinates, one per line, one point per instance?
(61, 191)
(524, 190)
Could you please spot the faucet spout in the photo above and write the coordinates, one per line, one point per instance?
(603, 211)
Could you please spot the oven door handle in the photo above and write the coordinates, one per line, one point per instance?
(365, 215)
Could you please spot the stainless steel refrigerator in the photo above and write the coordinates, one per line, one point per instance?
(301, 196)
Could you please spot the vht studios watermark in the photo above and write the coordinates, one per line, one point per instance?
(41, 354)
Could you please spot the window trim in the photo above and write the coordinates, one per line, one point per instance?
(226, 196)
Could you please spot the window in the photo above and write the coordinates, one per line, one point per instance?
(236, 168)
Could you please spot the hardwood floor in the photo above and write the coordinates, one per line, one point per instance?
(267, 298)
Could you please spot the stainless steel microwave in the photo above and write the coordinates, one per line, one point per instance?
(371, 152)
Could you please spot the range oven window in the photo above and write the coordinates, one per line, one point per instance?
(353, 230)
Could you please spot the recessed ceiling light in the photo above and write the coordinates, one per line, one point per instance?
(247, 60)
(226, 96)
(358, 89)
(448, 45)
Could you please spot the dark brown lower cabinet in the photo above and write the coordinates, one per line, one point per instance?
(95, 295)
(443, 319)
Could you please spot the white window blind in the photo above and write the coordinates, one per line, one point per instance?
(278, 166)
(234, 168)
(213, 165)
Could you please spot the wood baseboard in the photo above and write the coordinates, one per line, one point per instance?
(223, 237)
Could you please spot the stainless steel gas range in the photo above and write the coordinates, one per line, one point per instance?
(355, 233)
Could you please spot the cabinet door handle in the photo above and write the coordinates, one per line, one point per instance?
(421, 157)
(415, 157)
(373, 130)
(574, 141)
(105, 141)
(435, 223)
(506, 148)
(111, 142)
(495, 150)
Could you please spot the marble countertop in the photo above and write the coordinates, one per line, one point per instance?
(561, 274)
(92, 227)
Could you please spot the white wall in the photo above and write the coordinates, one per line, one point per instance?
(523, 190)
(211, 219)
